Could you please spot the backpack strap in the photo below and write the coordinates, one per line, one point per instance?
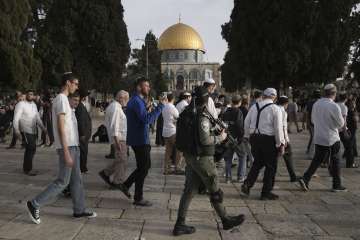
(259, 110)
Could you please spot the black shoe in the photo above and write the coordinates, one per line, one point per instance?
(339, 189)
(245, 189)
(231, 222)
(182, 229)
(105, 177)
(34, 213)
(123, 189)
(304, 185)
(110, 156)
(179, 172)
(269, 196)
(85, 214)
(142, 203)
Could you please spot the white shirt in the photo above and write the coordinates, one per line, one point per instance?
(285, 124)
(327, 119)
(270, 122)
(61, 106)
(170, 115)
(26, 117)
(115, 122)
(211, 108)
(343, 109)
(182, 105)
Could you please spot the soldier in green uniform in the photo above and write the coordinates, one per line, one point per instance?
(200, 168)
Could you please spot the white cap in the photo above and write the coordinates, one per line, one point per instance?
(210, 81)
(330, 87)
(270, 92)
(186, 94)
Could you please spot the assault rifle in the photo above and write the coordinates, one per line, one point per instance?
(222, 126)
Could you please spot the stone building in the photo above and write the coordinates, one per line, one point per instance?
(182, 59)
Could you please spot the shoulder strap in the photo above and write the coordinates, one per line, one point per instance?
(259, 110)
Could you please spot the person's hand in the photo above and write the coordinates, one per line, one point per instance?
(223, 135)
(281, 150)
(69, 162)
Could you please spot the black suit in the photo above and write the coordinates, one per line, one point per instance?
(85, 127)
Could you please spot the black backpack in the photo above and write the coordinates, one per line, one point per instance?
(186, 131)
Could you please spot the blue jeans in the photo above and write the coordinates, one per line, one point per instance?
(228, 157)
(66, 175)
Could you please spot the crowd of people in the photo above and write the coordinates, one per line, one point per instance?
(199, 131)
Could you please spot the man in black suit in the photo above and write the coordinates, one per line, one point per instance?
(85, 127)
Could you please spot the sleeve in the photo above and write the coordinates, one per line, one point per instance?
(278, 126)
(205, 137)
(17, 115)
(337, 117)
(143, 115)
(38, 120)
(240, 125)
(212, 109)
(285, 124)
(60, 107)
(115, 123)
(247, 123)
(175, 113)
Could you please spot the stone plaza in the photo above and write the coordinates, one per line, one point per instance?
(318, 214)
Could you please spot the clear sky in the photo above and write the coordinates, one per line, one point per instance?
(205, 16)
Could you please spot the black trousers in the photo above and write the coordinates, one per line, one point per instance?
(349, 148)
(265, 154)
(289, 162)
(84, 148)
(30, 150)
(326, 153)
(143, 164)
(311, 131)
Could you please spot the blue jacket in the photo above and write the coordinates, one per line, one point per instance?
(138, 120)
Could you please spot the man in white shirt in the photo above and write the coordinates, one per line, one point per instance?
(210, 85)
(67, 146)
(185, 100)
(26, 120)
(115, 121)
(283, 104)
(263, 125)
(170, 115)
(327, 119)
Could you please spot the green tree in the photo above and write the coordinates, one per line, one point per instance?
(87, 37)
(285, 43)
(19, 68)
(138, 64)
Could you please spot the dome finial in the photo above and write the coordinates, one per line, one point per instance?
(179, 17)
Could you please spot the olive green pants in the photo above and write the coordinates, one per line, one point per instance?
(199, 169)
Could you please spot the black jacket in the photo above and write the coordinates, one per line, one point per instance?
(84, 121)
(234, 118)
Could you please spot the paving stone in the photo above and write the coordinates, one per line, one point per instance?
(110, 229)
(245, 231)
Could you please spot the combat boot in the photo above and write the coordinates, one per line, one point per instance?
(232, 221)
(181, 229)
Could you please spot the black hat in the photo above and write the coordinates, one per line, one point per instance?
(283, 100)
(201, 92)
(83, 93)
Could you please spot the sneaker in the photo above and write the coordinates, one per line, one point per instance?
(85, 214)
(123, 189)
(339, 189)
(231, 222)
(182, 229)
(269, 196)
(245, 189)
(241, 179)
(34, 213)
(105, 177)
(304, 185)
(142, 203)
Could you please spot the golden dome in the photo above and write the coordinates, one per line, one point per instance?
(180, 36)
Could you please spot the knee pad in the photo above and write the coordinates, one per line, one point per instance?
(217, 197)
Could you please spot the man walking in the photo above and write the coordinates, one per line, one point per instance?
(138, 121)
(115, 121)
(67, 147)
(327, 119)
(200, 168)
(264, 126)
(170, 115)
(85, 127)
(26, 120)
